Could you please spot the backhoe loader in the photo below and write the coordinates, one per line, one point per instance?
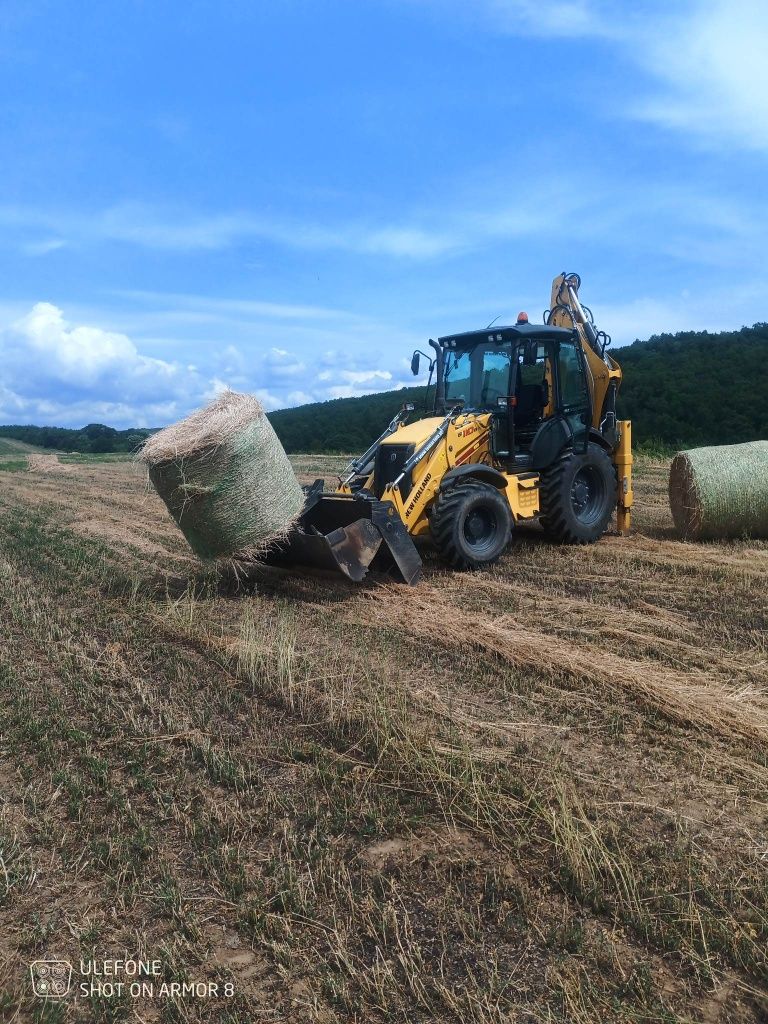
(523, 428)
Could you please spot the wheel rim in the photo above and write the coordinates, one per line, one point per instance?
(588, 495)
(480, 526)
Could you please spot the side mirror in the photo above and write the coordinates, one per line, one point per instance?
(415, 359)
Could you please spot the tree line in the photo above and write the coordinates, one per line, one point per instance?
(94, 439)
(680, 390)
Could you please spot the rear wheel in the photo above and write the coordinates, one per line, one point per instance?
(578, 496)
(471, 525)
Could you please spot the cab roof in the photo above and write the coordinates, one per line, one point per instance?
(467, 338)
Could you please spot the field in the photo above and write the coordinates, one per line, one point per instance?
(13, 455)
(536, 794)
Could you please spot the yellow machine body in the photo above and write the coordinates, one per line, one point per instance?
(566, 311)
(467, 442)
(448, 472)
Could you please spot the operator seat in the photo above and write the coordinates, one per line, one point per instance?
(530, 404)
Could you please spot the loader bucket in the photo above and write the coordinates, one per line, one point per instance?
(345, 532)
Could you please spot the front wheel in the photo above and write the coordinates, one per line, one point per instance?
(471, 525)
(578, 496)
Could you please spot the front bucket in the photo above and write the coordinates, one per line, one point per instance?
(345, 532)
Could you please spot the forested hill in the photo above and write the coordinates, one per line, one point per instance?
(95, 439)
(343, 424)
(696, 388)
(682, 390)
(686, 389)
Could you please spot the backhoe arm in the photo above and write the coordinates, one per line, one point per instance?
(604, 380)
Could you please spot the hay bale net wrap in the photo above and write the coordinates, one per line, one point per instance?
(225, 478)
(720, 492)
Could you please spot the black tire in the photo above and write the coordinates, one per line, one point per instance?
(578, 496)
(471, 524)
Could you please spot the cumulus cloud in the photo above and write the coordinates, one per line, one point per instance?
(283, 363)
(57, 371)
(71, 352)
(65, 373)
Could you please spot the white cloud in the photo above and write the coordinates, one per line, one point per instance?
(365, 376)
(283, 364)
(74, 353)
(300, 398)
(711, 60)
(410, 242)
(142, 225)
(716, 309)
(707, 57)
(570, 18)
(43, 247)
(56, 371)
(268, 400)
(62, 372)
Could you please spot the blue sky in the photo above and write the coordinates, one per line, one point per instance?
(287, 197)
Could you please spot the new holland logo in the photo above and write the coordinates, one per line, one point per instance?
(51, 978)
(417, 495)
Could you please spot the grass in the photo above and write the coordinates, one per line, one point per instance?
(10, 447)
(12, 465)
(535, 794)
(98, 458)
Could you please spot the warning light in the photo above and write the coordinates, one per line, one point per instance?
(522, 318)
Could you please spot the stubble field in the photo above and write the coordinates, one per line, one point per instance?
(532, 794)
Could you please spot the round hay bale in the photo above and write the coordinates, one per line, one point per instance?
(225, 478)
(720, 492)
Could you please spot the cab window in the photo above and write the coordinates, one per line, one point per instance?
(494, 375)
(573, 386)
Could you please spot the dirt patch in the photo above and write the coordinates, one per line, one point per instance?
(440, 846)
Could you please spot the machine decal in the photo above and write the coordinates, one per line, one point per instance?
(417, 495)
(469, 452)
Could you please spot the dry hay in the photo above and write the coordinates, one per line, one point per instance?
(720, 492)
(225, 478)
(735, 709)
(46, 464)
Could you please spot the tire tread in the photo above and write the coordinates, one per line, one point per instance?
(442, 523)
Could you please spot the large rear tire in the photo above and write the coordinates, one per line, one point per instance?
(471, 525)
(578, 496)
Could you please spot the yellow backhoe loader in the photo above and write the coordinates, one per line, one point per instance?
(523, 428)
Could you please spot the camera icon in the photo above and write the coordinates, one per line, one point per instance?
(51, 978)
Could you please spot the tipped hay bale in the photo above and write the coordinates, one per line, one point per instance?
(225, 478)
(720, 492)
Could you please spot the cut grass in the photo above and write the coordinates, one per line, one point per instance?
(389, 822)
(95, 458)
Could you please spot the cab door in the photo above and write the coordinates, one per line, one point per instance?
(572, 390)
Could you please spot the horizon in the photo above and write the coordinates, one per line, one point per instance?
(288, 201)
(415, 383)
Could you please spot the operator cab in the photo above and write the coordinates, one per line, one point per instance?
(531, 378)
